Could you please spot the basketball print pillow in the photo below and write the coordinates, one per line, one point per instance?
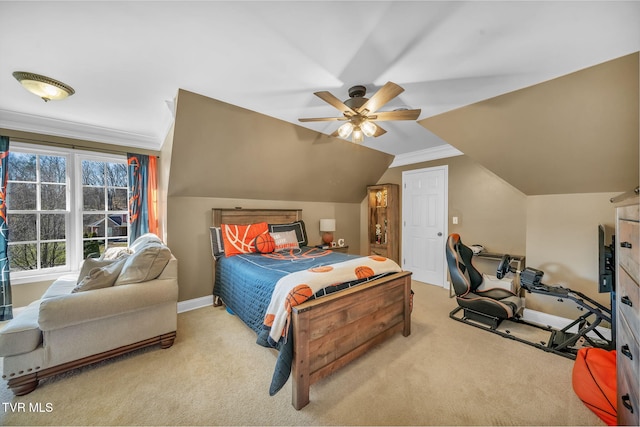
(239, 239)
(264, 243)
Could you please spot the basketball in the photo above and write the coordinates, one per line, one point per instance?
(362, 272)
(264, 243)
(298, 295)
(321, 269)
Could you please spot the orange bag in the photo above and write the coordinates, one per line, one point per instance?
(594, 381)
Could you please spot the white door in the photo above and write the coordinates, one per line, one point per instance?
(424, 224)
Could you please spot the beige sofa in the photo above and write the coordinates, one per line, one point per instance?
(112, 307)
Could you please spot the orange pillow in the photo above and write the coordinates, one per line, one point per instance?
(594, 381)
(239, 239)
(265, 244)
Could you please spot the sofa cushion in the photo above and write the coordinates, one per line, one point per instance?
(91, 263)
(101, 277)
(146, 263)
(63, 285)
(22, 334)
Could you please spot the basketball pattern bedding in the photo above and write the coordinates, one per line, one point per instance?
(262, 288)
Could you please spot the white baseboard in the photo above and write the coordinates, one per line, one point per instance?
(557, 322)
(193, 304)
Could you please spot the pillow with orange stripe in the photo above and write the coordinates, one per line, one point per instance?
(239, 239)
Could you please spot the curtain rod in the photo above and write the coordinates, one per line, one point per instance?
(625, 195)
(76, 147)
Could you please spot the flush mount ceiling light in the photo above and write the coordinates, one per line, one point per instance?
(360, 112)
(45, 87)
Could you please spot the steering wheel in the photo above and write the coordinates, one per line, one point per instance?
(504, 267)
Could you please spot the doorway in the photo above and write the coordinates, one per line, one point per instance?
(424, 223)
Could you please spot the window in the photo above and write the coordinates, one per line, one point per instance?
(37, 211)
(63, 205)
(104, 205)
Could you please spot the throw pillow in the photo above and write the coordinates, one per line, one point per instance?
(265, 244)
(91, 263)
(101, 277)
(115, 252)
(297, 226)
(143, 240)
(285, 240)
(217, 243)
(239, 239)
(145, 264)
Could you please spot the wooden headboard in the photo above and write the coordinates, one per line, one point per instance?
(251, 216)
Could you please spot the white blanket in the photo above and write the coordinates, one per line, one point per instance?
(295, 288)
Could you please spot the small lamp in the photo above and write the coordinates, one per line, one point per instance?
(327, 227)
(45, 87)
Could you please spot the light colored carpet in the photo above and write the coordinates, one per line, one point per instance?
(444, 373)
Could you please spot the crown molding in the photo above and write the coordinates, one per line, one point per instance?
(67, 129)
(428, 154)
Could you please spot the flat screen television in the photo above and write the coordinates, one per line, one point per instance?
(606, 262)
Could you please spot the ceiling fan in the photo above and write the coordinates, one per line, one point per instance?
(360, 113)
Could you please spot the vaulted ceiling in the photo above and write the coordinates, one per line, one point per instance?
(127, 60)
(578, 133)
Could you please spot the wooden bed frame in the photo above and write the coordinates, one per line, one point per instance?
(331, 331)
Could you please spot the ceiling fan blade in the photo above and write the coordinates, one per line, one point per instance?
(386, 93)
(329, 98)
(379, 131)
(395, 115)
(322, 119)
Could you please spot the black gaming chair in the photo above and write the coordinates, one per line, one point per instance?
(488, 306)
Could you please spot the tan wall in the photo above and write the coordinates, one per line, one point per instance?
(225, 156)
(79, 144)
(574, 134)
(189, 219)
(491, 212)
(562, 241)
(556, 233)
(221, 150)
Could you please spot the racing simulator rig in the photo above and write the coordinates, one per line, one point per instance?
(486, 307)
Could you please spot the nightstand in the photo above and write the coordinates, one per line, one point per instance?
(344, 249)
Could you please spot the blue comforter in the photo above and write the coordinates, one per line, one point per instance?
(245, 284)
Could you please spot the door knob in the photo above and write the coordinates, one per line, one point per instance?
(439, 233)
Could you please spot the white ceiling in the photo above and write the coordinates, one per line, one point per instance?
(126, 60)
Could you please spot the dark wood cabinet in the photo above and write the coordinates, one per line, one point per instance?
(384, 221)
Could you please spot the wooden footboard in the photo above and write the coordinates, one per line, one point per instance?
(331, 331)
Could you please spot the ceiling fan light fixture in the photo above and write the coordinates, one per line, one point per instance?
(345, 130)
(358, 135)
(368, 128)
(45, 87)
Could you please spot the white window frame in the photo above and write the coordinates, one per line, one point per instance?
(74, 225)
(99, 157)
